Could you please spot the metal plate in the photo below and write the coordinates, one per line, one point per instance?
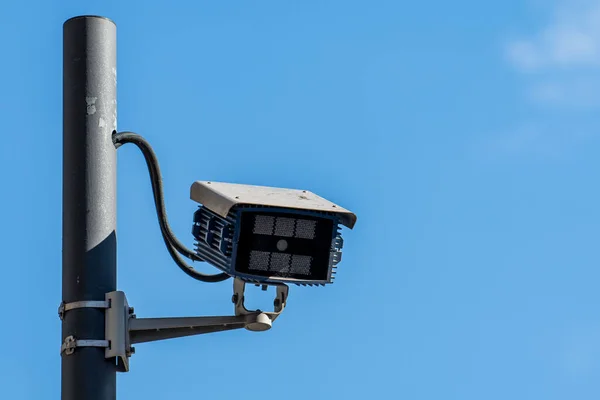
(221, 197)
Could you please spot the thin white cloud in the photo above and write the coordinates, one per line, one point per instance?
(567, 93)
(559, 63)
(571, 39)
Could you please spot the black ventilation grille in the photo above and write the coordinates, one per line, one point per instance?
(214, 238)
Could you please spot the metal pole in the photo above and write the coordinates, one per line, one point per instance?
(89, 268)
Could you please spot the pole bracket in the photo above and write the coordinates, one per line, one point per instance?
(123, 328)
(70, 343)
(64, 307)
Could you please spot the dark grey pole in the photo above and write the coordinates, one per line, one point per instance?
(89, 268)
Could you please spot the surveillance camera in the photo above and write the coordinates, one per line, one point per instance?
(268, 235)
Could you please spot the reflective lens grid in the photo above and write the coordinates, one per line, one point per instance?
(285, 245)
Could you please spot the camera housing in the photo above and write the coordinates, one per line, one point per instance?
(268, 235)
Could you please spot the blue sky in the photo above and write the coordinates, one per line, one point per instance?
(463, 134)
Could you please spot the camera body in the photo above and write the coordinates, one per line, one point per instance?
(267, 235)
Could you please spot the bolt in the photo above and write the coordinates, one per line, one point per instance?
(131, 310)
(132, 351)
(234, 299)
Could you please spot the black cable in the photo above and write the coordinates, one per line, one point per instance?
(171, 241)
(190, 271)
(157, 187)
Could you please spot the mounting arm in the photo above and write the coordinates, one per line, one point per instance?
(143, 330)
(123, 328)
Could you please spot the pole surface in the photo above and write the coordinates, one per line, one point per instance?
(89, 263)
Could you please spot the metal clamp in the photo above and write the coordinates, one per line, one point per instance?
(266, 318)
(64, 307)
(70, 343)
(116, 339)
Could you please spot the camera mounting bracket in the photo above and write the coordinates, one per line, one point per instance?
(123, 328)
(238, 298)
